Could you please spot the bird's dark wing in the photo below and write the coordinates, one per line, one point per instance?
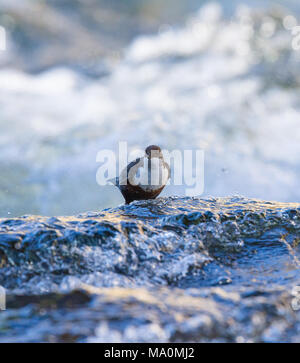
(129, 171)
(132, 164)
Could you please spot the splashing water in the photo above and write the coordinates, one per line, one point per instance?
(228, 87)
(198, 266)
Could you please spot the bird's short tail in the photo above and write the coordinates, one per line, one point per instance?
(114, 181)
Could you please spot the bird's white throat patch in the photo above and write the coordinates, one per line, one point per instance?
(151, 175)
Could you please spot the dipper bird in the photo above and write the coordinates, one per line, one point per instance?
(144, 178)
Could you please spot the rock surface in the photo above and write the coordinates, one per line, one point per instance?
(173, 269)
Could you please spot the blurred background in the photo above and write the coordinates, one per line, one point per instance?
(80, 76)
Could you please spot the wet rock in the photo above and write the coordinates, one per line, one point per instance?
(135, 275)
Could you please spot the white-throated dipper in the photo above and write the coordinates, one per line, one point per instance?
(144, 178)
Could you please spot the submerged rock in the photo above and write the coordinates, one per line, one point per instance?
(156, 267)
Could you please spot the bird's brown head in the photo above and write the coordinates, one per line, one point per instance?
(153, 151)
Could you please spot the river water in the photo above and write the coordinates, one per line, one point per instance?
(173, 269)
(228, 86)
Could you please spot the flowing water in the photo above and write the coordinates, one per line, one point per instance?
(228, 87)
(173, 269)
